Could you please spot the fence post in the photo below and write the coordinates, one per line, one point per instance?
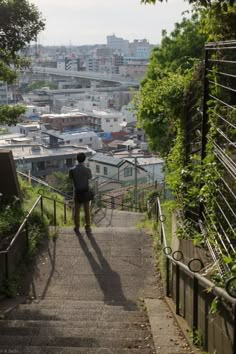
(205, 110)
(177, 288)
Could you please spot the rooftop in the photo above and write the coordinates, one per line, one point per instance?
(105, 159)
(29, 151)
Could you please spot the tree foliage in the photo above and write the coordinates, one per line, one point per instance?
(221, 4)
(162, 94)
(20, 22)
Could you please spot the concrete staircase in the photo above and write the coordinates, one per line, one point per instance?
(86, 294)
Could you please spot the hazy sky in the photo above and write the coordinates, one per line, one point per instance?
(80, 22)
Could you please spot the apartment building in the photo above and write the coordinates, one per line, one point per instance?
(111, 120)
(71, 120)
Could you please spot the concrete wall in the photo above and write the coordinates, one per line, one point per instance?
(8, 179)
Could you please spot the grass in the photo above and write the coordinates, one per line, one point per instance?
(155, 228)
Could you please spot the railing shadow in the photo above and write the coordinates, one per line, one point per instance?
(29, 288)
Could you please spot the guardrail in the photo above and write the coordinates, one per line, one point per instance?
(193, 294)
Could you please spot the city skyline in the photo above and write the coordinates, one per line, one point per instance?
(79, 22)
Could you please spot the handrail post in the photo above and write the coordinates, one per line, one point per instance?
(27, 234)
(6, 267)
(157, 211)
(177, 288)
(54, 213)
(41, 206)
(167, 276)
(65, 216)
(234, 338)
(195, 305)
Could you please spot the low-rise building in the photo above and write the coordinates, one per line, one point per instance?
(71, 120)
(116, 169)
(41, 160)
(111, 120)
(82, 138)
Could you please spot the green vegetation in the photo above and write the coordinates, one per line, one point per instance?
(13, 212)
(220, 4)
(20, 22)
(36, 85)
(60, 181)
(174, 76)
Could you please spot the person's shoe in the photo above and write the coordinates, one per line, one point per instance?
(77, 231)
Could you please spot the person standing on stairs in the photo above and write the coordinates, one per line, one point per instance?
(80, 175)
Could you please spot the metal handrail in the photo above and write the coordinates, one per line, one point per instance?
(39, 181)
(24, 225)
(218, 291)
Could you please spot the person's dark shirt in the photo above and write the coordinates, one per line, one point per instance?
(80, 175)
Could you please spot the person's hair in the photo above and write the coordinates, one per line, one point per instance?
(81, 157)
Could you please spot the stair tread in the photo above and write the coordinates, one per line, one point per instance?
(71, 350)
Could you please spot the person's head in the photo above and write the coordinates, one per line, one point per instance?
(81, 157)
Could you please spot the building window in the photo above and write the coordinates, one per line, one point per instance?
(105, 171)
(97, 169)
(91, 139)
(108, 120)
(80, 140)
(115, 119)
(128, 171)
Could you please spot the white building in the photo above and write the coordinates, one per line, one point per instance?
(87, 138)
(116, 169)
(111, 120)
(153, 165)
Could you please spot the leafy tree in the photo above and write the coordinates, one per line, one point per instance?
(162, 94)
(182, 46)
(221, 4)
(35, 85)
(20, 22)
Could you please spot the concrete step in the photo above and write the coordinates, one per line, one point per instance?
(76, 315)
(72, 324)
(70, 341)
(98, 306)
(71, 350)
(60, 331)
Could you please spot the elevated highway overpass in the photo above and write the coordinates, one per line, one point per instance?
(87, 75)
